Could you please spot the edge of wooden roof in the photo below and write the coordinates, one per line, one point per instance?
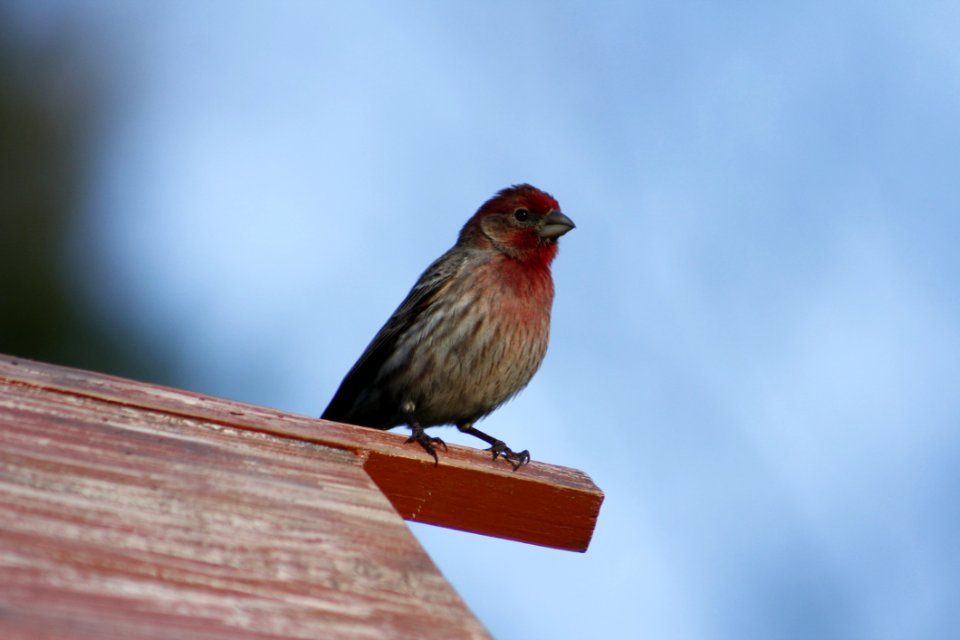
(539, 504)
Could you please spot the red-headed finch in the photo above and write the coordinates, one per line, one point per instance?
(470, 334)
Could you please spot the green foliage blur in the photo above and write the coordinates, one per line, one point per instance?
(50, 101)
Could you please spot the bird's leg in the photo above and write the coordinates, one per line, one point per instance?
(497, 447)
(420, 436)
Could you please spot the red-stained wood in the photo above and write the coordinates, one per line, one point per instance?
(540, 504)
(122, 521)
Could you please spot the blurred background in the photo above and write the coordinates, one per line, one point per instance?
(756, 337)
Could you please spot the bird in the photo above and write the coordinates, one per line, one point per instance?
(470, 334)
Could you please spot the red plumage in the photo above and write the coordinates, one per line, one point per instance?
(472, 331)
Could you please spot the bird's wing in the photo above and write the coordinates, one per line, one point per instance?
(431, 285)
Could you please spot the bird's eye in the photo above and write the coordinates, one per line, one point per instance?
(521, 214)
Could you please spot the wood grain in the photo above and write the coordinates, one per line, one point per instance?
(118, 520)
(540, 504)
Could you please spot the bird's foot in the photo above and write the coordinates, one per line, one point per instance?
(500, 449)
(497, 447)
(429, 443)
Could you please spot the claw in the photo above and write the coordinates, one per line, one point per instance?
(500, 449)
(497, 447)
(429, 443)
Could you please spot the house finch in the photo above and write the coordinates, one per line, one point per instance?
(470, 334)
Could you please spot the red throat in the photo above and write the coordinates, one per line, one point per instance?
(529, 274)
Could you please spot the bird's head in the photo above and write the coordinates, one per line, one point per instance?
(520, 221)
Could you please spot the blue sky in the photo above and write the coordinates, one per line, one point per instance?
(757, 325)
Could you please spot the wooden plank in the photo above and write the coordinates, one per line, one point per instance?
(540, 504)
(118, 521)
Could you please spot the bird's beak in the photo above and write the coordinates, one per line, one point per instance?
(555, 225)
